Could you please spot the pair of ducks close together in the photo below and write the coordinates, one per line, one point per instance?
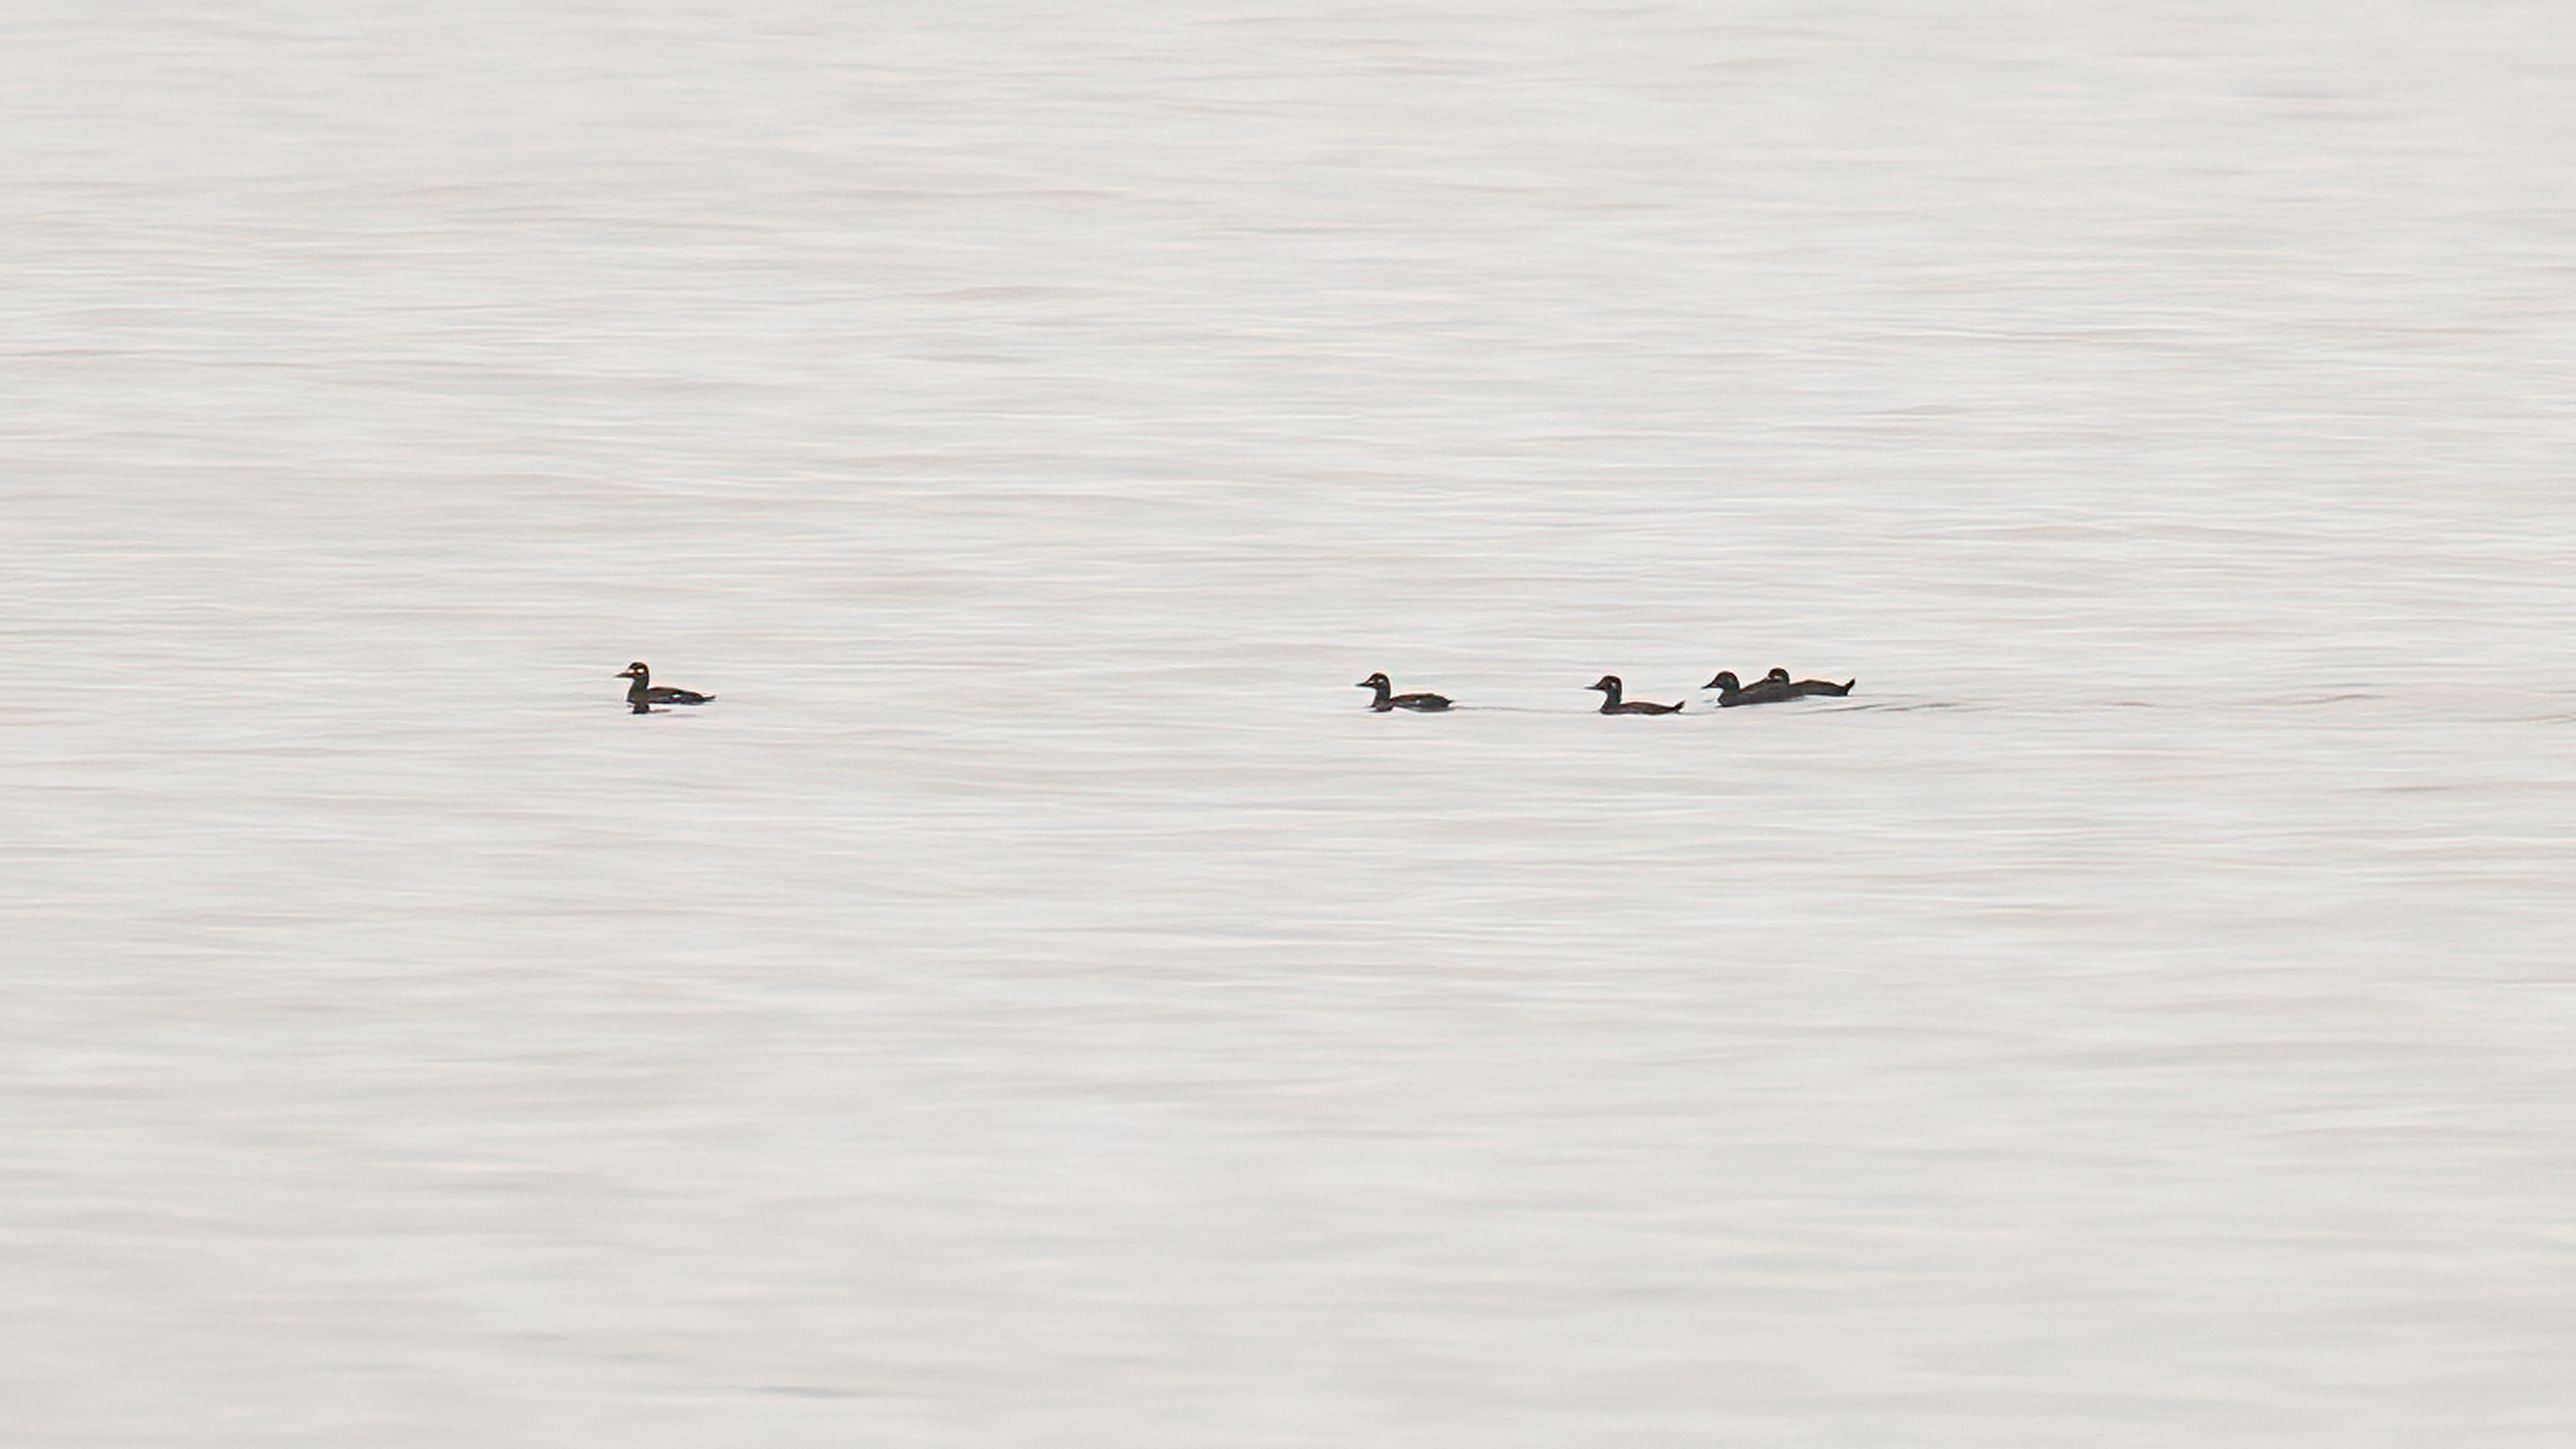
(1731, 691)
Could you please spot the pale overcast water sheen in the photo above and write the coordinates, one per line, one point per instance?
(1037, 1004)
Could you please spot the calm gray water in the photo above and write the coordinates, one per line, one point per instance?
(1037, 1004)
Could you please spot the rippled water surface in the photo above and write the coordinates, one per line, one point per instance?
(1037, 1004)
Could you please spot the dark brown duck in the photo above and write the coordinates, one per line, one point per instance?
(1388, 699)
(1610, 687)
(1802, 688)
(643, 694)
(1732, 691)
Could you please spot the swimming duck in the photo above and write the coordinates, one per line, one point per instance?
(643, 694)
(1609, 686)
(1388, 699)
(1732, 691)
(1800, 689)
